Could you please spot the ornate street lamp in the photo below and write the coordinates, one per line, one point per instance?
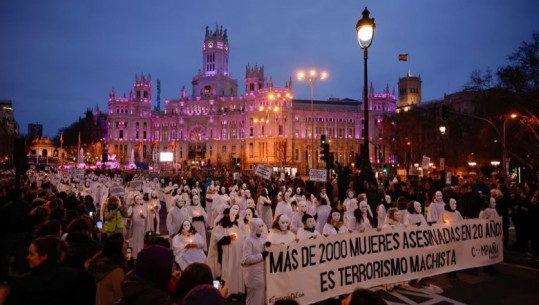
(365, 34)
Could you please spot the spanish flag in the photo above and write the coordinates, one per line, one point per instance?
(403, 57)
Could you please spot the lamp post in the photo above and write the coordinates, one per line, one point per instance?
(505, 166)
(365, 34)
(442, 155)
(311, 77)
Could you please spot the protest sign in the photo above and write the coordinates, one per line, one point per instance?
(318, 175)
(116, 191)
(263, 171)
(321, 268)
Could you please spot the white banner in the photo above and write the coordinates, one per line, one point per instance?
(318, 175)
(263, 171)
(317, 269)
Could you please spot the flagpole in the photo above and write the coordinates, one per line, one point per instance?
(61, 150)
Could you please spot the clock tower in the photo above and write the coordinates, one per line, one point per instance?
(214, 79)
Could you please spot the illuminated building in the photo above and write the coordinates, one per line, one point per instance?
(216, 125)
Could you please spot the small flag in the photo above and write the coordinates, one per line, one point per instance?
(62, 138)
(403, 57)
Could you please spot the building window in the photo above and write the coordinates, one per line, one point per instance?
(251, 150)
(224, 149)
(121, 136)
(233, 149)
(251, 132)
(136, 135)
(281, 130)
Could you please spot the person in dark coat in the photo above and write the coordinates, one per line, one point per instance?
(49, 280)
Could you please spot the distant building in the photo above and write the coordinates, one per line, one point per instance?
(35, 130)
(409, 92)
(264, 125)
(8, 125)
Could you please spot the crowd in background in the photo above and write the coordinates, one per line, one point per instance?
(96, 237)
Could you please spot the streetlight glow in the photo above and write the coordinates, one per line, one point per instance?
(365, 29)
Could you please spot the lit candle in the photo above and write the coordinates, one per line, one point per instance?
(91, 214)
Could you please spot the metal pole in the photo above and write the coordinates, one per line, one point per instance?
(311, 83)
(504, 156)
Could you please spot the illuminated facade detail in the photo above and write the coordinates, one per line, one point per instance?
(215, 124)
(409, 92)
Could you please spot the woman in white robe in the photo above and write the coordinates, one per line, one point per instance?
(198, 216)
(252, 262)
(188, 246)
(225, 252)
(138, 214)
(280, 231)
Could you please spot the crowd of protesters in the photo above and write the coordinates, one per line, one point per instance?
(68, 238)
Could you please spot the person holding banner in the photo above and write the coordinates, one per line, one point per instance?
(381, 210)
(296, 223)
(488, 210)
(362, 220)
(335, 224)
(280, 231)
(450, 215)
(414, 216)
(308, 231)
(349, 212)
(252, 262)
(436, 208)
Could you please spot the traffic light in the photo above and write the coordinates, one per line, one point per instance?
(384, 169)
(445, 112)
(324, 152)
(322, 140)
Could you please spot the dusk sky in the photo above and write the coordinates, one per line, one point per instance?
(58, 58)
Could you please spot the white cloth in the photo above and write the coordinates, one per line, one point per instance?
(186, 256)
(415, 219)
(175, 217)
(488, 213)
(200, 226)
(230, 269)
(138, 228)
(263, 206)
(323, 212)
(436, 209)
(331, 230)
(276, 237)
(304, 234)
(253, 269)
(283, 208)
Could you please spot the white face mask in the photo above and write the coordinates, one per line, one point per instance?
(335, 216)
(251, 204)
(248, 214)
(350, 195)
(353, 204)
(244, 186)
(234, 210)
(363, 207)
(310, 223)
(438, 196)
(303, 207)
(492, 203)
(453, 205)
(232, 217)
(260, 228)
(138, 200)
(186, 226)
(298, 191)
(283, 223)
(388, 199)
(248, 194)
(417, 207)
(196, 200)
(223, 190)
(180, 202)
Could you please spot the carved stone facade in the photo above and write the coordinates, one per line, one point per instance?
(265, 125)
